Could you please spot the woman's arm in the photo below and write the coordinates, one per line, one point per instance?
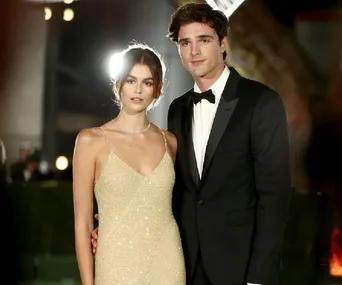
(83, 183)
(172, 142)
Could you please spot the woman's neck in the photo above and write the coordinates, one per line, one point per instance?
(132, 123)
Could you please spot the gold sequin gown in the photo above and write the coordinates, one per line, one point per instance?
(139, 241)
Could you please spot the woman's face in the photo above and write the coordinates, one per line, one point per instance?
(137, 89)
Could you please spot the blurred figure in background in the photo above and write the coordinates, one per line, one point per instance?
(18, 167)
(28, 169)
(3, 168)
(10, 269)
(31, 171)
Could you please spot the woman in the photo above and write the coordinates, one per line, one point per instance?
(128, 163)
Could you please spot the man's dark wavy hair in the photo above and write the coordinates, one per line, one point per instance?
(198, 13)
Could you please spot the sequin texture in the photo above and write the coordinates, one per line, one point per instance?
(139, 241)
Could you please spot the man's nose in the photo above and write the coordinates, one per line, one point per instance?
(195, 49)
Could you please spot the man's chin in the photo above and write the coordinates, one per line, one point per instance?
(198, 73)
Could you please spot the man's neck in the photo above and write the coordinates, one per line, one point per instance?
(205, 82)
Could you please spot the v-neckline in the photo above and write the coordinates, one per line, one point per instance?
(136, 171)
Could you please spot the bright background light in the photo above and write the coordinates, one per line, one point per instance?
(44, 167)
(228, 7)
(231, 9)
(48, 13)
(68, 1)
(115, 64)
(68, 14)
(62, 163)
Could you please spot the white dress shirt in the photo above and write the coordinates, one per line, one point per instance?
(203, 118)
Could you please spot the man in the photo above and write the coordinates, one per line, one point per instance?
(232, 189)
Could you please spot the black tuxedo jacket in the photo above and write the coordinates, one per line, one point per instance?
(236, 214)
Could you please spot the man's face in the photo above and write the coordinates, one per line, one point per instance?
(201, 50)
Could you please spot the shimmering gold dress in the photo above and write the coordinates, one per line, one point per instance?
(139, 241)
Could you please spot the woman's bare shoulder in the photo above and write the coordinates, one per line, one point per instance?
(89, 135)
(89, 138)
(171, 139)
(170, 136)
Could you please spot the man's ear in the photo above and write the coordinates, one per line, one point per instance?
(224, 44)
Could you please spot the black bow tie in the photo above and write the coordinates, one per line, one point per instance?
(207, 95)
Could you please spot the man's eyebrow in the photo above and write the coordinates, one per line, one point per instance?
(204, 36)
(183, 40)
(197, 37)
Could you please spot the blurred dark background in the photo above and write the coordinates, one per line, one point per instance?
(54, 81)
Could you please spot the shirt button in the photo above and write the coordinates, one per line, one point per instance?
(200, 202)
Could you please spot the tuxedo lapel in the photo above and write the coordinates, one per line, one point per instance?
(223, 114)
(190, 148)
(188, 159)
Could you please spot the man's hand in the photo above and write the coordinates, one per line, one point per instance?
(94, 236)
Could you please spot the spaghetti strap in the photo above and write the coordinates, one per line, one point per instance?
(106, 138)
(165, 140)
(104, 133)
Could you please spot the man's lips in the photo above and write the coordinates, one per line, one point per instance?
(197, 61)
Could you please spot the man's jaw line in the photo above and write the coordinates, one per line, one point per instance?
(205, 81)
